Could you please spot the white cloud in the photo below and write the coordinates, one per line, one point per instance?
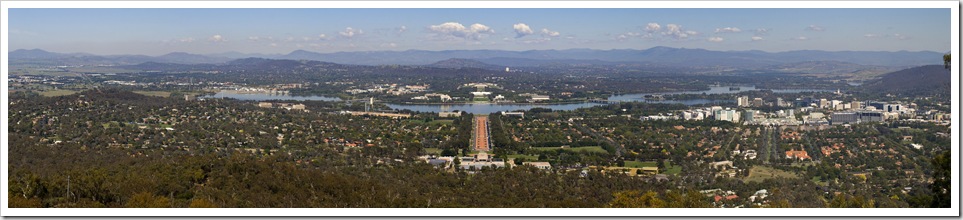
(627, 35)
(653, 27)
(728, 30)
(481, 28)
(871, 35)
(756, 38)
(900, 37)
(813, 27)
(715, 39)
(670, 28)
(254, 38)
(402, 29)
(187, 40)
(389, 45)
(522, 29)
(549, 33)
(322, 36)
(676, 31)
(762, 31)
(457, 30)
(801, 38)
(273, 44)
(217, 38)
(350, 32)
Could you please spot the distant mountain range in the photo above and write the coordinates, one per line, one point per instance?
(656, 55)
(41, 57)
(660, 55)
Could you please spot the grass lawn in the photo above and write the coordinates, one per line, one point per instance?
(154, 93)
(818, 181)
(481, 99)
(432, 150)
(527, 157)
(640, 164)
(673, 170)
(98, 69)
(761, 173)
(596, 149)
(57, 92)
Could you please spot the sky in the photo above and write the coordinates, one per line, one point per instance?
(280, 31)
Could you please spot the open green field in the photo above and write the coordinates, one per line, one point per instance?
(589, 149)
(640, 164)
(761, 173)
(98, 69)
(40, 72)
(432, 150)
(819, 181)
(154, 93)
(57, 92)
(527, 157)
(672, 170)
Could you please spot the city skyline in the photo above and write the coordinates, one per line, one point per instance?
(280, 31)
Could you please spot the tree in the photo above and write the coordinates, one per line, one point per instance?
(148, 200)
(946, 60)
(636, 199)
(941, 183)
(201, 203)
(782, 203)
(848, 201)
(448, 152)
(457, 162)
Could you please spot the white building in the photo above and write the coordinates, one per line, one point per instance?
(539, 165)
(449, 114)
(727, 115)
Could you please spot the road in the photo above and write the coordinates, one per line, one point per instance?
(482, 141)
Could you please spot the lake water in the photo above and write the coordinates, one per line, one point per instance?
(487, 108)
(638, 97)
(267, 96)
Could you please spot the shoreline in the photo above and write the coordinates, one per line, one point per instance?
(486, 103)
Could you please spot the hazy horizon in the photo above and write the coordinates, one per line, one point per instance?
(284, 53)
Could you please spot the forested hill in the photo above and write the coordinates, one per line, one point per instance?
(931, 80)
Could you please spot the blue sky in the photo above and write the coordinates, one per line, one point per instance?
(206, 31)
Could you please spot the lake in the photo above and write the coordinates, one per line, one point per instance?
(267, 96)
(486, 108)
(637, 97)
